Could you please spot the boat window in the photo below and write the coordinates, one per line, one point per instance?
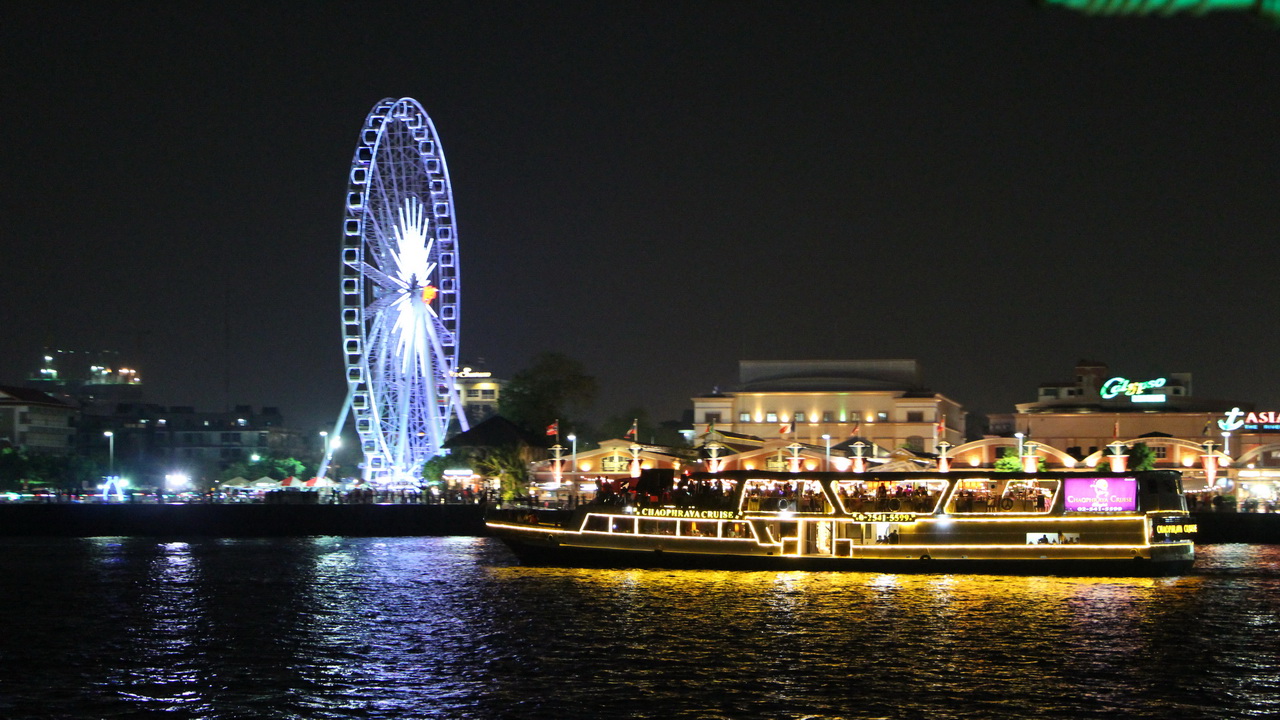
(736, 530)
(597, 523)
(623, 525)
(1053, 538)
(984, 495)
(785, 495)
(657, 527)
(906, 495)
(698, 528)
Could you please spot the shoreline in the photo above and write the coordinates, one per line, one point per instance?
(285, 520)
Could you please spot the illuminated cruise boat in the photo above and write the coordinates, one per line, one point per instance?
(980, 521)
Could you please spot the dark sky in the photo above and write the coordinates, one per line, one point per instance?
(657, 189)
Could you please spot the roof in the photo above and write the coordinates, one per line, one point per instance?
(10, 395)
(496, 431)
(827, 375)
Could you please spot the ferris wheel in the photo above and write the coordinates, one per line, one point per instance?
(400, 295)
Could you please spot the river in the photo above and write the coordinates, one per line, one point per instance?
(453, 628)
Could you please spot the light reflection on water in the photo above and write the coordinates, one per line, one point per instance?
(451, 628)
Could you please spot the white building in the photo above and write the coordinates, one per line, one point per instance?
(830, 401)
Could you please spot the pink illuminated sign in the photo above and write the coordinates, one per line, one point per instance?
(1101, 494)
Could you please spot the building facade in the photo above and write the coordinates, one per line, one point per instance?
(820, 402)
(36, 421)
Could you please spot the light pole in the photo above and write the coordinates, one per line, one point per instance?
(827, 440)
(573, 467)
(111, 451)
(1020, 436)
(943, 446)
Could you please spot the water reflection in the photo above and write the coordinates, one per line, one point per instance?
(449, 627)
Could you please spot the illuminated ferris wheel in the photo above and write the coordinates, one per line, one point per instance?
(400, 294)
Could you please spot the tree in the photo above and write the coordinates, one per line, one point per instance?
(508, 466)
(553, 388)
(1010, 462)
(1141, 457)
(433, 469)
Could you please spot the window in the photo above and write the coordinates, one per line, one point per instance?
(473, 393)
(713, 418)
(771, 417)
(799, 417)
(744, 417)
(488, 394)
(826, 416)
(1161, 451)
(882, 416)
(915, 416)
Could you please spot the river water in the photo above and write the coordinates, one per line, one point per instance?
(453, 628)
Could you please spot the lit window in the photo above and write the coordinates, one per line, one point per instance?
(771, 417)
(744, 417)
(799, 417)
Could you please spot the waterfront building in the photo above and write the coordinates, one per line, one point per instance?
(821, 402)
(480, 392)
(36, 421)
(1084, 418)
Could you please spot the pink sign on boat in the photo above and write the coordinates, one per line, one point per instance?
(1101, 494)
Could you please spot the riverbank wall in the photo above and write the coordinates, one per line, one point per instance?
(1252, 528)
(237, 520)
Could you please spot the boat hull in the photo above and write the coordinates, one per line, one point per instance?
(544, 549)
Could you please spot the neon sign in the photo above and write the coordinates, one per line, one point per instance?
(882, 517)
(1101, 494)
(1238, 419)
(1134, 390)
(687, 513)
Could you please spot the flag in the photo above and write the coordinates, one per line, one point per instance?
(784, 429)
(1115, 430)
(711, 427)
(632, 432)
(854, 432)
(941, 428)
(1205, 430)
(554, 428)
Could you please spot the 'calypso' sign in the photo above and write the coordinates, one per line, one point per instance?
(1134, 390)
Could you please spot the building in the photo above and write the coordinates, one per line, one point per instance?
(147, 442)
(89, 377)
(480, 392)
(36, 421)
(1089, 417)
(821, 402)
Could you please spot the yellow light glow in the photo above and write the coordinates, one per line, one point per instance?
(811, 465)
(1188, 460)
(584, 466)
(841, 463)
(975, 460)
(749, 466)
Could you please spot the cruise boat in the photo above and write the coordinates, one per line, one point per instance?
(1081, 523)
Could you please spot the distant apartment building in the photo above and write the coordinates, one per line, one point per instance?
(480, 392)
(36, 421)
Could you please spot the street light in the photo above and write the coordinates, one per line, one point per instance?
(1020, 436)
(827, 440)
(111, 451)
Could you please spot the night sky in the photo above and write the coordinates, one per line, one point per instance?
(656, 189)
